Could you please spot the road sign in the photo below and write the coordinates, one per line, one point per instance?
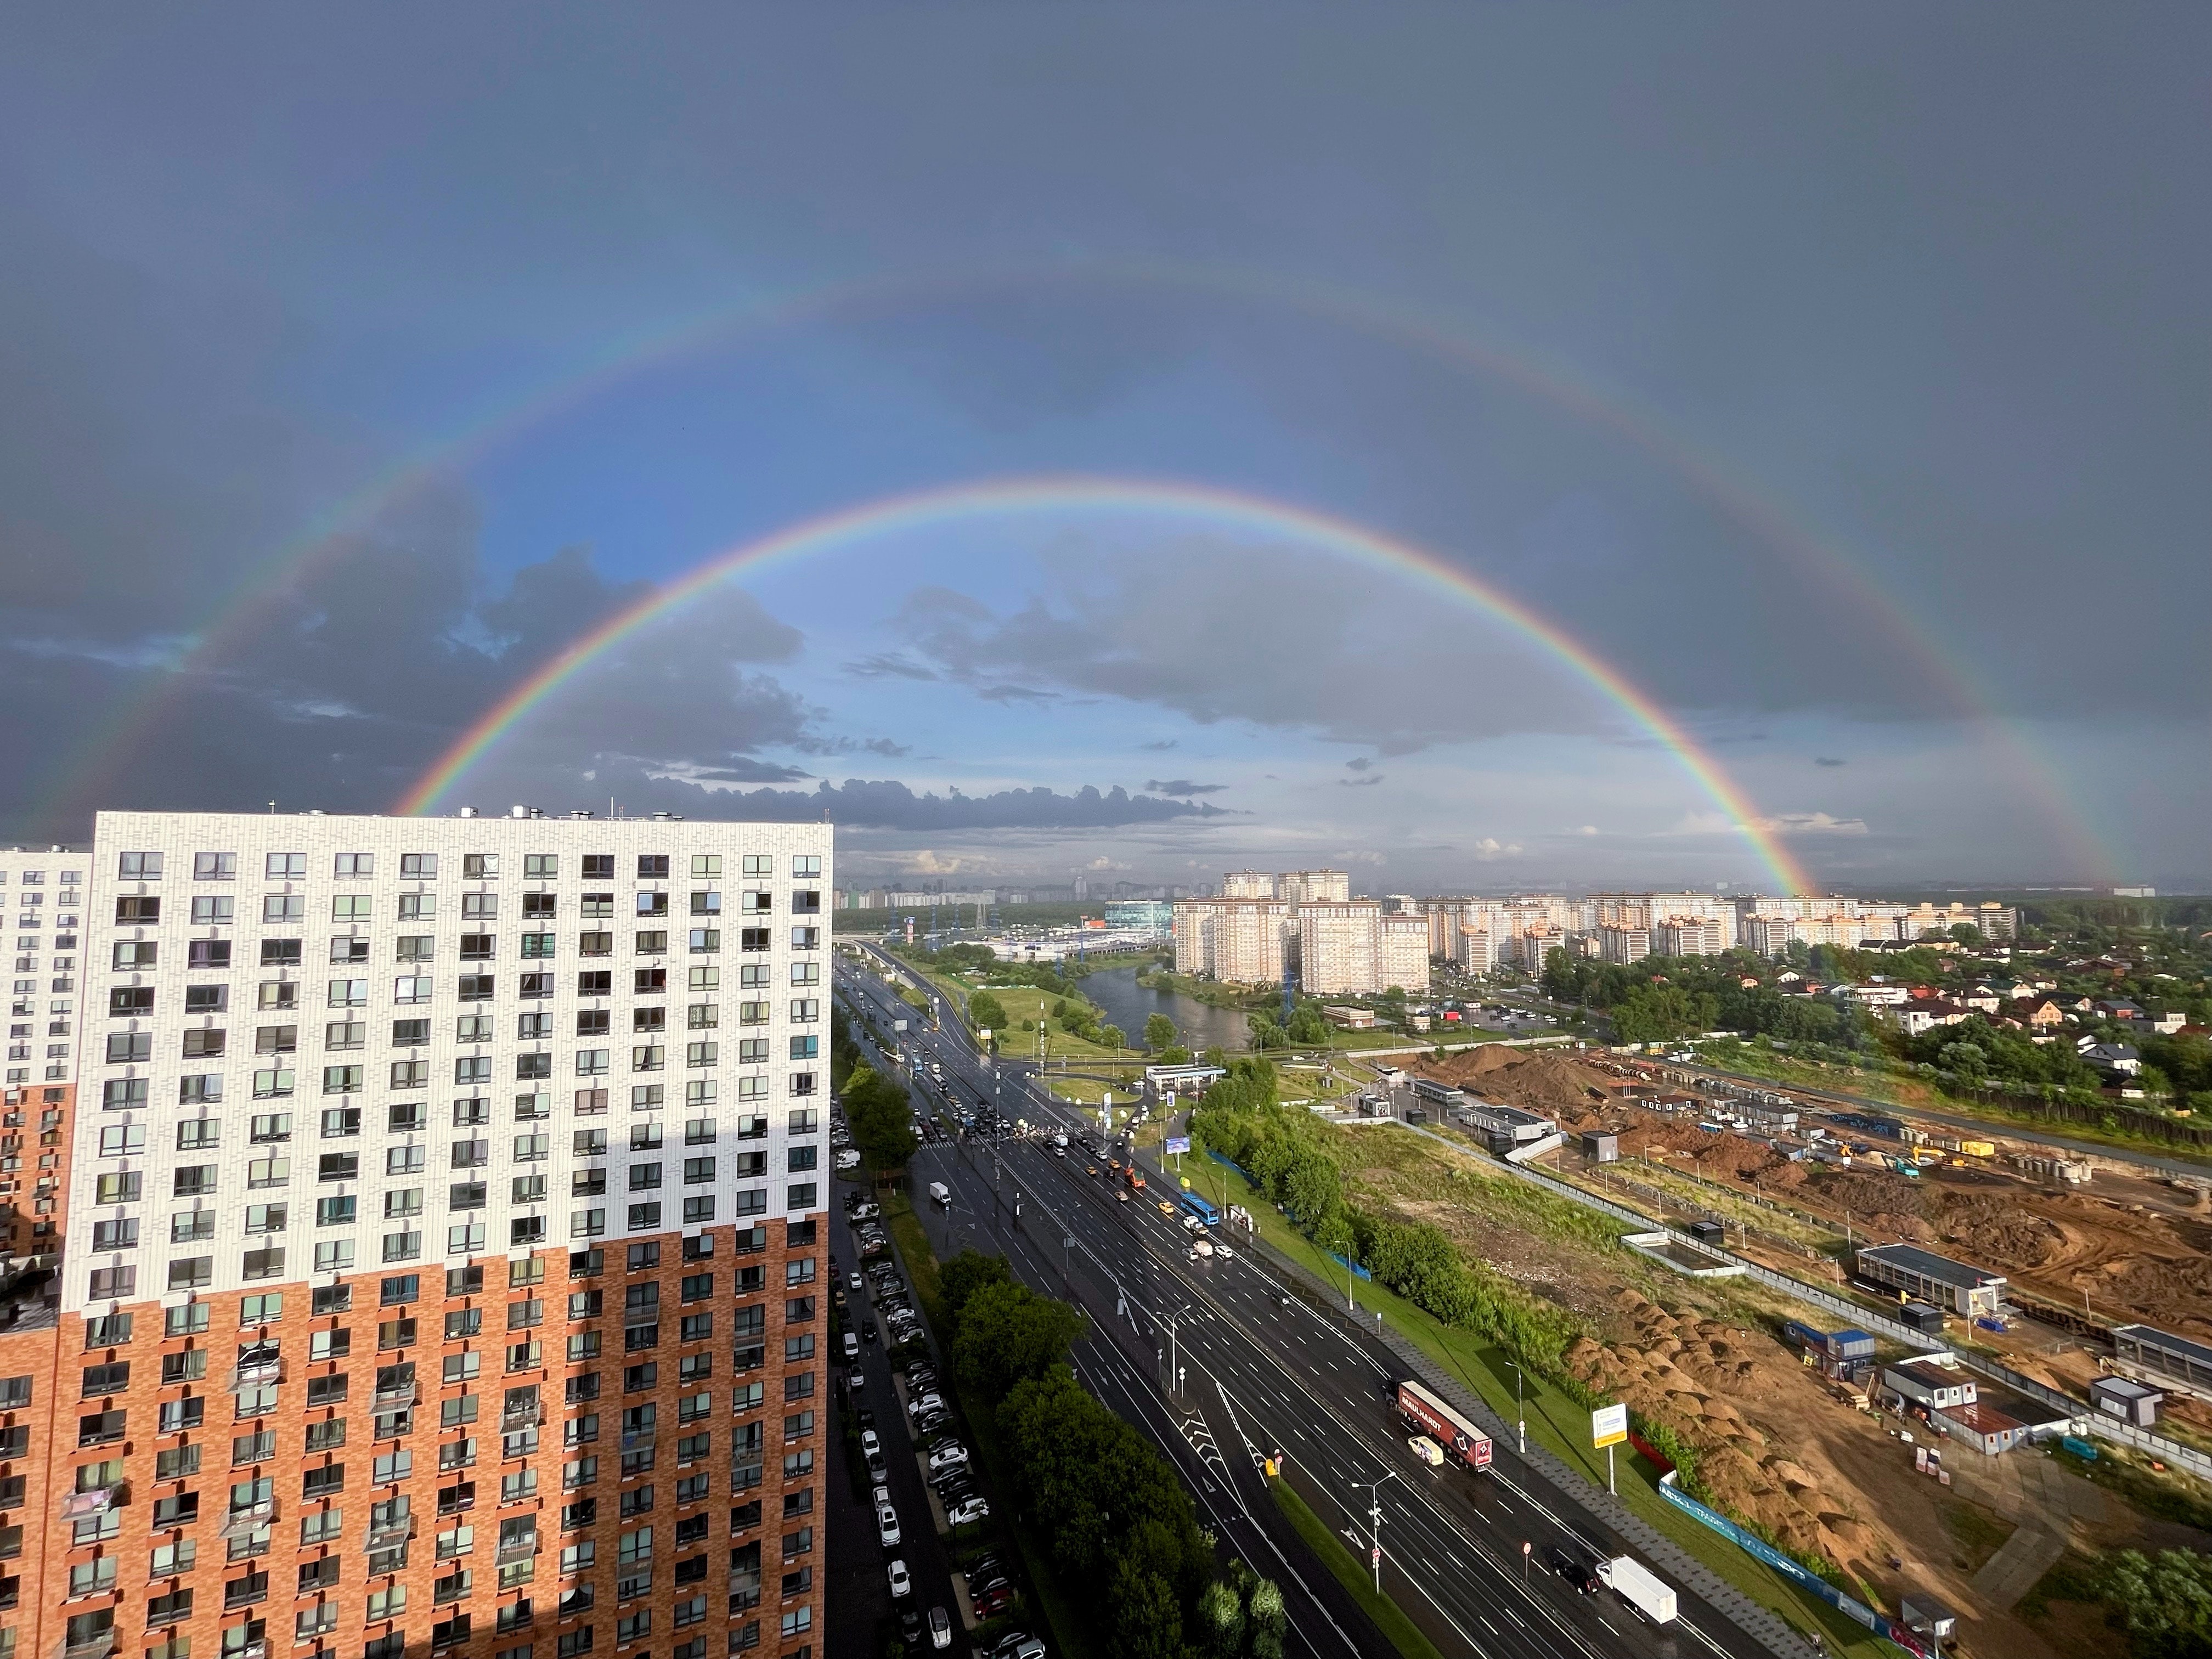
(1608, 1426)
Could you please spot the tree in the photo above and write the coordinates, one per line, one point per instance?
(1159, 1032)
(961, 1278)
(2165, 1599)
(1108, 1036)
(880, 1115)
(1009, 1333)
(986, 1012)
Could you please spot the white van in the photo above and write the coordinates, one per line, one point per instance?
(940, 1191)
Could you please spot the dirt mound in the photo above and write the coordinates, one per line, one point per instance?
(1739, 1403)
(1536, 1080)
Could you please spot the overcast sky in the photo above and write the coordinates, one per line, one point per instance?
(1838, 377)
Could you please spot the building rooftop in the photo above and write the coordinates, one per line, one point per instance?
(1940, 1269)
(2150, 1337)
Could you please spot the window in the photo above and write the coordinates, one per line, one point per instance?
(279, 953)
(476, 988)
(130, 1047)
(409, 988)
(215, 866)
(350, 907)
(213, 910)
(281, 907)
(476, 947)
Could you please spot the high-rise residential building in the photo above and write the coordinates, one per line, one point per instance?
(445, 1243)
(1339, 944)
(1688, 936)
(1472, 951)
(42, 903)
(1402, 953)
(1239, 940)
(1248, 885)
(1624, 944)
(1313, 886)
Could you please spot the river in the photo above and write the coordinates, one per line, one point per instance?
(1199, 1025)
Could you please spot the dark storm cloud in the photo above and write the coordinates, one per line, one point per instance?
(880, 804)
(1182, 786)
(1318, 646)
(1358, 764)
(1826, 760)
(752, 772)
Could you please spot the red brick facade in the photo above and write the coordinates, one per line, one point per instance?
(35, 1123)
(567, 1458)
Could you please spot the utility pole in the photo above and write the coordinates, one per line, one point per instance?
(1375, 1523)
(1175, 1369)
(1520, 1412)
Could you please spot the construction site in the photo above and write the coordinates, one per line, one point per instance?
(1808, 1455)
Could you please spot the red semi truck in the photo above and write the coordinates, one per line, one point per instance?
(1425, 1413)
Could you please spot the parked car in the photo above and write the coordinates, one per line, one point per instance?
(947, 1457)
(940, 1628)
(852, 1347)
(871, 1442)
(970, 1510)
(852, 1283)
(931, 1401)
(887, 1526)
(1019, 1645)
(902, 1584)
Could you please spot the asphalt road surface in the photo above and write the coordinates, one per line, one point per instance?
(1261, 1370)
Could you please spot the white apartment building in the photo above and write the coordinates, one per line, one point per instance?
(443, 1035)
(1338, 942)
(1689, 936)
(1249, 884)
(1473, 950)
(1403, 953)
(1313, 886)
(1624, 944)
(1238, 941)
(42, 908)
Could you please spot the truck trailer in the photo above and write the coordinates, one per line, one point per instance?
(1425, 1413)
(1642, 1588)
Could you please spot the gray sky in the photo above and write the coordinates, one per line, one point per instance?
(1838, 378)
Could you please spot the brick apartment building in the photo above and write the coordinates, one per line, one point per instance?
(446, 1275)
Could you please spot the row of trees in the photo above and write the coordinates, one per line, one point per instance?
(881, 1117)
(1282, 1151)
(1120, 1527)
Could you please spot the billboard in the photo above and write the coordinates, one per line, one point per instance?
(1608, 1426)
(1177, 1144)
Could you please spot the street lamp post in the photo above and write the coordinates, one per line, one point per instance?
(1375, 1523)
(1520, 1412)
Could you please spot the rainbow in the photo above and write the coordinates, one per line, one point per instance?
(256, 601)
(1007, 497)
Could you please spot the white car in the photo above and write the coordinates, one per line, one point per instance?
(946, 1457)
(887, 1527)
(880, 1496)
(902, 1585)
(975, 1509)
(929, 1402)
(871, 1442)
(940, 1628)
(853, 1282)
(1224, 1252)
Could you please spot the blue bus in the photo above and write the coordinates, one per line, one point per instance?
(1193, 1205)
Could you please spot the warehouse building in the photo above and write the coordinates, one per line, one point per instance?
(1938, 1280)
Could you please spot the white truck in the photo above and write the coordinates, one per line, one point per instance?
(940, 1191)
(1637, 1585)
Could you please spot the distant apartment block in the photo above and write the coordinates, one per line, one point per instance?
(1338, 943)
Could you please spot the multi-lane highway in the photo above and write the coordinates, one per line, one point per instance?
(1219, 1363)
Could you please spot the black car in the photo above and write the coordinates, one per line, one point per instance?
(1577, 1568)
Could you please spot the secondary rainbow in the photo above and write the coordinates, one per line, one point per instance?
(1066, 494)
(91, 768)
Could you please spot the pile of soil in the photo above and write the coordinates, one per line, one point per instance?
(1534, 1079)
(1737, 1401)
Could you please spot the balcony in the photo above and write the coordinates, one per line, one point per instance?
(517, 1549)
(252, 1517)
(91, 1647)
(94, 1500)
(250, 1651)
(637, 1439)
(395, 1393)
(385, 1534)
(257, 1366)
(522, 1414)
